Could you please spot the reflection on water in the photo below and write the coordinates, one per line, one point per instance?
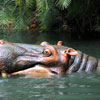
(71, 87)
(18, 36)
(90, 47)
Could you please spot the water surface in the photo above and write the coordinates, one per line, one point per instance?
(71, 87)
(68, 87)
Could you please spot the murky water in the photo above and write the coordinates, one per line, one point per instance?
(72, 87)
(68, 87)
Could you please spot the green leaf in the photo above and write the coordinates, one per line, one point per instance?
(63, 4)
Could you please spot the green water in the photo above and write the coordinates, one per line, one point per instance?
(69, 87)
(72, 87)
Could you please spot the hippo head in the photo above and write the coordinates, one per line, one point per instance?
(55, 57)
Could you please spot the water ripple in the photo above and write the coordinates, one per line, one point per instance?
(55, 88)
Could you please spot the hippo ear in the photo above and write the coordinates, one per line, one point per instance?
(44, 43)
(59, 43)
(72, 52)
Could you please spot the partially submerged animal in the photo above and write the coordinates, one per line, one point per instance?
(23, 59)
(53, 57)
(60, 59)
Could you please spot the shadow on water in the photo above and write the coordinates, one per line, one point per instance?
(71, 87)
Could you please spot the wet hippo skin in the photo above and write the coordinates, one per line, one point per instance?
(15, 58)
(81, 62)
(64, 60)
(53, 57)
(73, 62)
(56, 59)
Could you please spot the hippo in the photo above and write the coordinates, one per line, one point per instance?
(52, 60)
(15, 57)
(60, 59)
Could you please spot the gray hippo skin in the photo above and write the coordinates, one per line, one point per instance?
(14, 57)
(57, 59)
(62, 59)
(83, 63)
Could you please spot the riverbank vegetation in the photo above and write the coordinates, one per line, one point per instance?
(79, 18)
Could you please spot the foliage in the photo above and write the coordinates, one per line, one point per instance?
(79, 16)
(48, 12)
(74, 15)
(63, 4)
(5, 14)
(84, 16)
(15, 13)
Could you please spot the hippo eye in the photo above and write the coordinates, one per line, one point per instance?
(47, 52)
(65, 51)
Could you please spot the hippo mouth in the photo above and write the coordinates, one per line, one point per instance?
(37, 70)
(53, 70)
(37, 59)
